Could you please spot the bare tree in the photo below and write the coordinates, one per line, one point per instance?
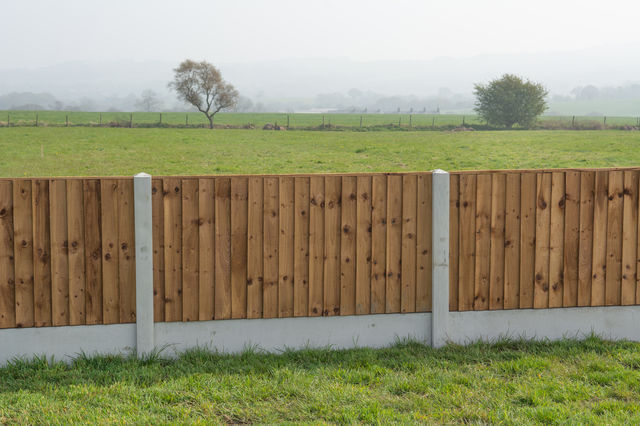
(201, 85)
(148, 101)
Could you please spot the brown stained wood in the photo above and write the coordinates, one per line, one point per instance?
(7, 271)
(629, 238)
(496, 270)
(206, 248)
(190, 250)
(92, 251)
(332, 232)
(172, 204)
(423, 243)
(409, 243)
(110, 257)
(76, 244)
(270, 250)
(543, 229)
(254, 247)
(378, 243)
(41, 253)
(59, 252)
(127, 251)
(348, 246)
(363, 245)
(285, 247)
(556, 240)
(483, 242)
(512, 242)
(23, 252)
(585, 254)
(599, 261)
(239, 205)
(301, 248)
(316, 245)
(571, 238)
(454, 241)
(157, 221)
(614, 239)
(467, 229)
(222, 297)
(394, 244)
(527, 238)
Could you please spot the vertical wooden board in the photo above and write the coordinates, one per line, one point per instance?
(301, 248)
(614, 238)
(172, 203)
(423, 243)
(585, 255)
(75, 237)
(363, 245)
(239, 204)
(126, 252)
(467, 229)
(556, 240)
(512, 242)
(41, 253)
(332, 217)
(483, 242)
(254, 247)
(316, 245)
(409, 227)
(93, 251)
(378, 243)
(527, 238)
(496, 270)
(599, 261)
(394, 244)
(454, 241)
(571, 238)
(206, 248)
(157, 220)
(59, 252)
(222, 297)
(629, 238)
(543, 227)
(23, 252)
(190, 250)
(348, 246)
(7, 271)
(110, 257)
(270, 249)
(285, 246)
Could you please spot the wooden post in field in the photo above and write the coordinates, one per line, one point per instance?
(130, 120)
(323, 121)
(361, 122)
(604, 121)
(8, 119)
(186, 119)
(287, 121)
(399, 121)
(573, 121)
(433, 122)
(463, 121)
(160, 118)
(410, 121)
(67, 120)
(100, 122)
(36, 119)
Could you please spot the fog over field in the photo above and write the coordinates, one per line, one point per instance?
(284, 55)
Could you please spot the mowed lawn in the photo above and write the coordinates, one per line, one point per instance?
(111, 151)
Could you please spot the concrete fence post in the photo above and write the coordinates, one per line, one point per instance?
(440, 263)
(144, 264)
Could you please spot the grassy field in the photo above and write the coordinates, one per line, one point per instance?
(394, 121)
(98, 151)
(588, 382)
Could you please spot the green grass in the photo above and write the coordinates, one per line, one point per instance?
(86, 151)
(588, 382)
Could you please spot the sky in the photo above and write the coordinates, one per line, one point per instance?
(40, 33)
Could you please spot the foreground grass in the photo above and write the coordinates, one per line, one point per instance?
(590, 381)
(109, 151)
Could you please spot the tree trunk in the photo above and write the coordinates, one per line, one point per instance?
(210, 122)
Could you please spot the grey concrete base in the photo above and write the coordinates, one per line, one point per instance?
(611, 322)
(273, 335)
(66, 343)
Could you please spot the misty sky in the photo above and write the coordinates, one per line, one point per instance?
(38, 33)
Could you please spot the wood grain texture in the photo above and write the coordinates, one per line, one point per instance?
(316, 245)
(109, 222)
(286, 247)
(76, 252)
(7, 270)
(614, 239)
(599, 262)
(467, 229)
(301, 248)
(190, 250)
(239, 206)
(496, 274)
(93, 251)
(454, 241)
(41, 253)
(172, 190)
(157, 221)
(254, 247)
(363, 245)
(543, 226)
(409, 243)
(378, 243)
(585, 255)
(424, 243)
(23, 252)
(271, 237)
(512, 242)
(571, 238)
(629, 238)
(556, 240)
(222, 297)
(59, 252)
(483, 242)
(528, 183)
(394, 244)
(332, 234)
(206, 248)
(126, 252)
(348, 246)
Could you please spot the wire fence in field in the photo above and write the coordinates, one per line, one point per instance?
(292, 120)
